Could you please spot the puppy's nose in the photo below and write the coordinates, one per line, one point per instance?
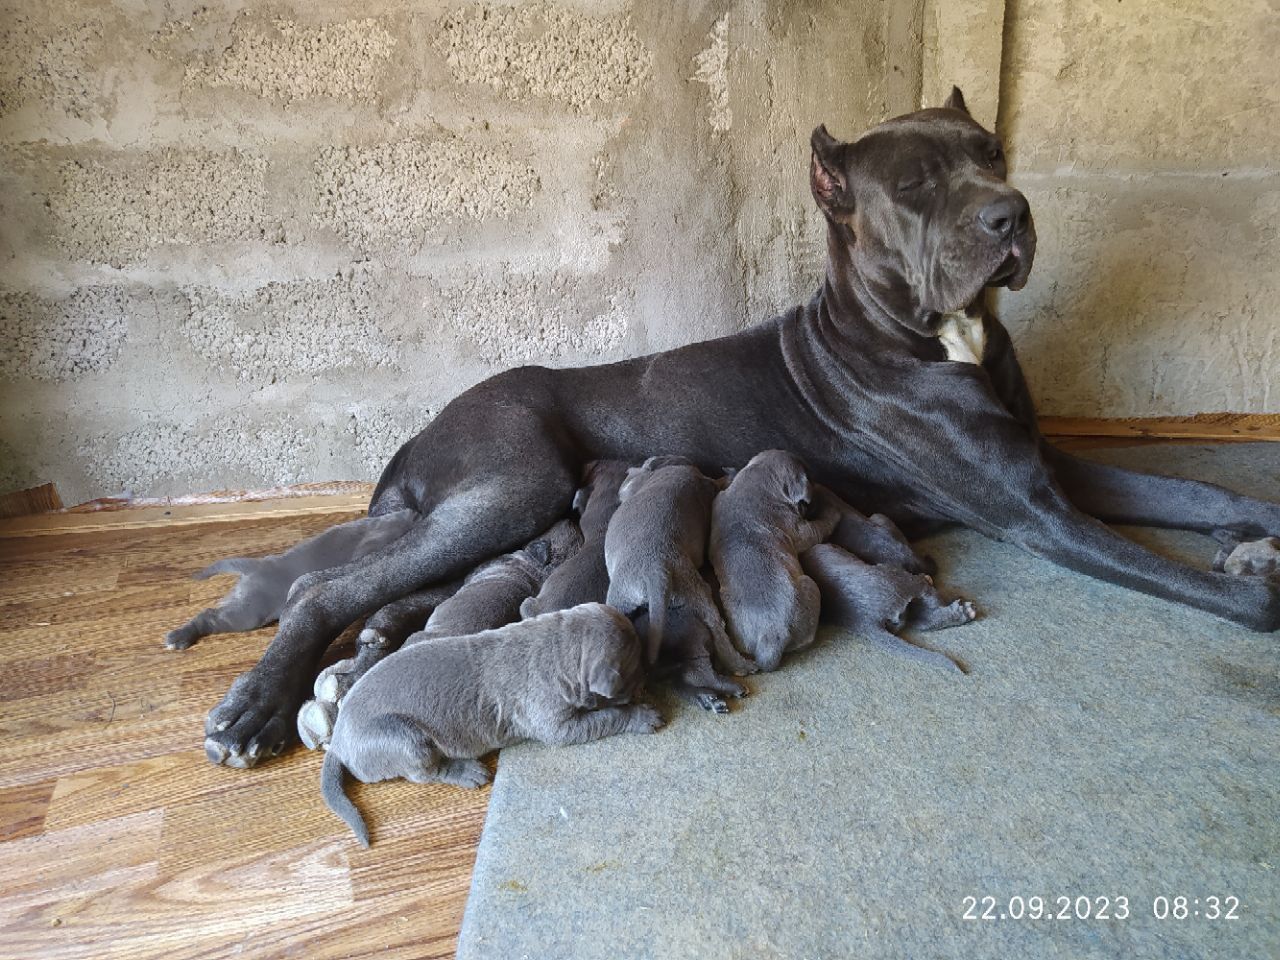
(1005, 216)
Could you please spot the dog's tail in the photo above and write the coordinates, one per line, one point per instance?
(658, 589)
(335, 797)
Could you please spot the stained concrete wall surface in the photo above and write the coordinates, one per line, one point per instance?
(1143, 134)
(263, 241)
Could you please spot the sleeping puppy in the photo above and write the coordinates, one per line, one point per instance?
(877, 600)
(759, 528)
(583, 578)
(429, 711)
(654, 547)
(488, 598)
(875, 539)
(260, 593)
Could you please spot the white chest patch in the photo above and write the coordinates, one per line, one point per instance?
(964, 338)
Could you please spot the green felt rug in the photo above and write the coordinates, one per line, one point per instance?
(1105, 745)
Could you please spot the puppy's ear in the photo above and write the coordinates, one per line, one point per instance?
(955, 101)
(829, 176)
(635, 477)
(799, 492)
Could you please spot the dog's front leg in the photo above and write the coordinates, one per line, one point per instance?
(1117, 495)
(588, 725)
(1048, 525)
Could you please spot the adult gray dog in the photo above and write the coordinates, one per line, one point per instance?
(857, 383)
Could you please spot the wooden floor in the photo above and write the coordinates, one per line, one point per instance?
(118, 838)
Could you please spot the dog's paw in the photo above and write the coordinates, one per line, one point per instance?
(966, 611)
(1255, 558)
(644, 719)
(470, 774)
(315, 723)
(181, 638)
(254, 721)
(335, 681)
(711, 702)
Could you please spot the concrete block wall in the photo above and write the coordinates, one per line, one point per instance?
(1144, 135)
(264, 241)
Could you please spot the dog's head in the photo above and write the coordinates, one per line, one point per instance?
(782, 474)
(932, 219)
(611, 665)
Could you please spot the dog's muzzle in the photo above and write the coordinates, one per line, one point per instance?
(1007, 220)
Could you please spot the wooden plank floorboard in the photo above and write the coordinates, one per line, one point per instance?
(118, 838)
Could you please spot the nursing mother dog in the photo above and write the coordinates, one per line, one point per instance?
(892, 385)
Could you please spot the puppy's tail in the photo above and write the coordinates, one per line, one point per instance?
(657, 615)
(240, 565)
(336, 799)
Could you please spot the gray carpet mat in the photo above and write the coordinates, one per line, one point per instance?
(1105, 745)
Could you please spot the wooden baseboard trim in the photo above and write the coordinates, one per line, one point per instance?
(1209, 427)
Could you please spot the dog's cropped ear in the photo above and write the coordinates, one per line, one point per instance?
(828, 176)
(956, 101)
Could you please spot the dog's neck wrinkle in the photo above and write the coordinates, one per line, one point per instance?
(853, 306)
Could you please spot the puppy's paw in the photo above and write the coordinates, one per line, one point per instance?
(711, 702)
(470, 774)
(315, 723)
(644, 719)
(966, 611)
(181, 638)
(335, 681)
(1255, 558)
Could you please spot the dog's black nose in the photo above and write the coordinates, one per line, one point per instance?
(1005, 216)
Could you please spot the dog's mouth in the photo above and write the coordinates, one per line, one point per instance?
(1005, 271)
(1013, 270)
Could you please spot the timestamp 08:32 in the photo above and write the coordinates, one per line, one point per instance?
(1102, 908)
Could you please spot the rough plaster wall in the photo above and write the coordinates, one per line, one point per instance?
(962, 47)
(1142, 133)
(262, 241)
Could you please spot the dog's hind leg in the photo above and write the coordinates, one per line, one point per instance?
(232, 618)
(383, 634)
(698, 681)
(510, 506)
(929, 611)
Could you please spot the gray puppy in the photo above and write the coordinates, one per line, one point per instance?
(877, 600)
(759, 528)
(488, 598)
(584, 577)
(685, 660)
(263, 588)
(875, 539)
(654, 547)
(1248, 557)
(428, 712)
